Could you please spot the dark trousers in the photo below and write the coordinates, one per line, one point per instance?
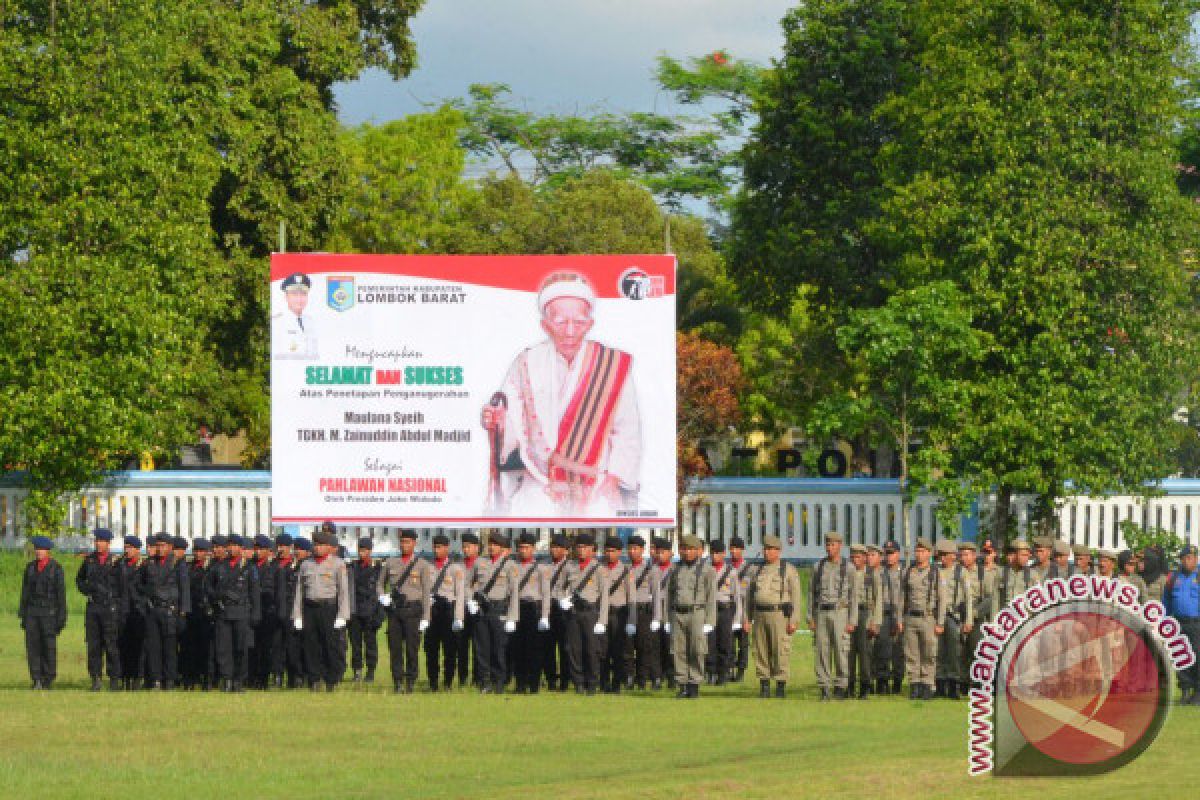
(324, 653)
(364, 636)
(161, 645)
(491, 649)
(41, 648)
(293, 645)
(888, 650)
(664, 667)
(131, 642)
(1190, 627)
(719, 660)
(404, 642)
(267, 655)
(100, 633)
(741, 641)
(468, 653)
(441, 644)
(585, 649)
(554, 651)
(641, 649)
(526, 650)
(231, 645)
(613, 673)
(197, 662)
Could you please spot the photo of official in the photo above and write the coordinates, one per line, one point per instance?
(564, 429)
(293, 332)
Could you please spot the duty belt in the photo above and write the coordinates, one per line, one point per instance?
(919, 614)
(686, 609)
(329, 601)
(828, 607)
(726, 605)
(767, 608)
(644, 606)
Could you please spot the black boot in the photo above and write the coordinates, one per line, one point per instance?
(780, 689)
(839, 694)
(952, 690)
(881, 686)
(114, 684)
(764, 689)
(684, 692)
(357, 677)
(330, 686)
(96, 684)
(927, 692)
(915, 692)
(939, 688)
(656, 684)
(897, 684)
(864, 691)
(694, 691)
(408, 685)
(824, 695)
(498, 687)
(737, 676)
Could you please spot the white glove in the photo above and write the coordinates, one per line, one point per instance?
(737, 626)
(631, 629)
(667, 628)
(565, 603)
(707, 629)
(599, 629)
(509, 626)
(456, 626)
(543, 624)
(339, 623)
(385, 600)
(472, 607)
(298, 624)
(422, 625)
(655, 625)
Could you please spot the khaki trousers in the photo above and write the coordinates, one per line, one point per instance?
(832, 649)
(772, 646)
(920, 650)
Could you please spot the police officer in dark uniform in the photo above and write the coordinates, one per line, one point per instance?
(234, 593)
(100, 580)
(467, 659)
(268, 633)
(745, 574)
(132, 632)
(163, 586)
(554, 648)
(293, 640)
(195, 651)
(368, 613)
(43, 612)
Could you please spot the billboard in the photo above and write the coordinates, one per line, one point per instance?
(473, 391)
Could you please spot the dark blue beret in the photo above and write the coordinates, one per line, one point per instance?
(716, 546)
(638, 540)
(236, 541)
(179, 543)
(263, 541)
(496, 537)
(408, 533)
(559, 540)
(1188, 550)
(284, 540)
(737, 541)
(201, 544)
(586, 539)
(470, 538)
(133, 541)
(102, 535)
(365, 543)
(661, 543)
(891, 544)
(441, 538)
(303, 544)
(613, 542)
(527, 537)
(43, 543)
(220, 540)
(296, 279)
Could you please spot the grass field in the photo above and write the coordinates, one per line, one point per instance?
(370, 743)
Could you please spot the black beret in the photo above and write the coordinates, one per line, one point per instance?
(470, 538)
(179, 543)
(441, 538)
(737, 541)
(284, 540)
(102, 534)
(220, 540)
(613, 542)
(42, 543)
(586, 539)
(133, 541)
(716, 546)
(559, 540)
(201, 544)
(263, 541)
(661, 543)
(302, 544)
(408, 533)
(638, 540)
(496, 537)
(365, 543)
(236, 541)
(527, 537)
(325, 537)
(296, 279)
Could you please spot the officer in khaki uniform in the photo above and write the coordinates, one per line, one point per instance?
(956, 586)
(772, 616)
(868, 593)
(1083, 559)
(692, 608)
(922, 622)
(983, 587)
(1014, 577)
(889, 646)
(832, 614)
(1043, 549)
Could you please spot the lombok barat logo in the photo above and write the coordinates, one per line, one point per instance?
(340, 292)
(635, 284)
(1073, 677)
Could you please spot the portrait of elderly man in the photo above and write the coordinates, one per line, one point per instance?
(564, 429)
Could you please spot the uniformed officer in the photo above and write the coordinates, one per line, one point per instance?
(367, 616)
(533, 593)
(663, 567)
(196, 659)
(100, 580)
(293, 640)
(468, 655)
(958, 620)
(1060, 561)
(621, 624)
(983, 590)
(1181, 598)
(1127, 573)
(745, 573)
(1153, 569)
(492, 597)
(321, 608)
(888, 654)
(1043, 548)
(720, 661)
(405, 588)
(43, 612)
(869, 598)
(267, 634)
(293, 332)
(555, 664)
(446, 611)
(1083, 559)
(163, 586)
(922, 622)
(584, 599)
(132, 634)
(692, 611)
(1013, 578)
(641, 649)
(233, 590)
(772, 616)
(832, 615)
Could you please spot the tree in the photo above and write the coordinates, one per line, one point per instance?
(1046, 190)
(709, 383)
(913, 359)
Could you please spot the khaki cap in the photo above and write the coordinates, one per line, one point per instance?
(873, 548)
(1061, 548)
(1043, 541)
(922, 543)
(1112, 554)
(967, 546)
(1020, 544)
(772, 541)
(833, 536)
(691, 541)
(946, 547)
(858, 548)
(1080, 550)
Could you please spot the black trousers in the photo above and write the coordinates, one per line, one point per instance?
(441, 644)
(741, 640)
(664, 667)
(641, 649)
(404, 643)
(324, 653)
(613, 673)
(526, 650)
(131, 641)
(491, 649)
(1190, 678)
(585, 649)
(719, 660)
(197, 661)
(293, 645)
(41, 647)
(232, 647)
(554, 651)
(468, 654)
(363, 637)
(267, 656)
(100, 626)
(161, 645)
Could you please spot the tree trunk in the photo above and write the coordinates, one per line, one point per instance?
(905, 527)
(1002, 517)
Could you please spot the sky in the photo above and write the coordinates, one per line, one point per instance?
(562, 56)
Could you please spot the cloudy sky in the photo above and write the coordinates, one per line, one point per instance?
(562, 55)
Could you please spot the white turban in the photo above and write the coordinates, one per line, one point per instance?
(568, 285)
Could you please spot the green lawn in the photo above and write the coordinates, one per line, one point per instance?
(358, 743)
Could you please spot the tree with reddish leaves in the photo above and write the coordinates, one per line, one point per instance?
(710, 382)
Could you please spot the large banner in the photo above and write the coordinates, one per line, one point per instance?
(473, 390)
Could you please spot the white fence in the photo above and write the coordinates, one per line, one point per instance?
(800, 511)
